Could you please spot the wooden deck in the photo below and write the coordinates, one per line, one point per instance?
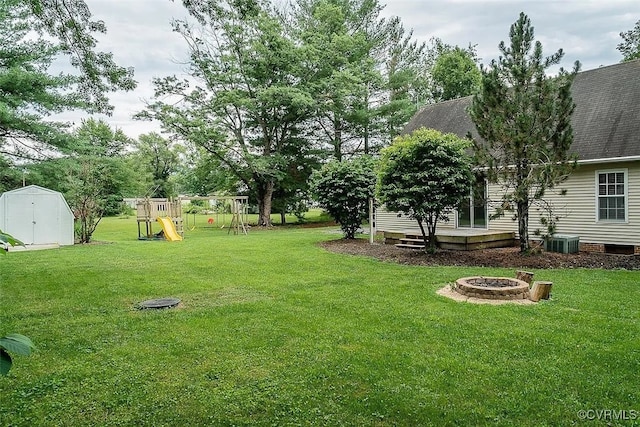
(461, 239)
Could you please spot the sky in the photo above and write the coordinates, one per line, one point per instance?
(139, 35)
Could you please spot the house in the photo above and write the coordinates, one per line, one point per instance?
(602, 202)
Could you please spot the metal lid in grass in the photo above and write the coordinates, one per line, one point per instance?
(159, 303)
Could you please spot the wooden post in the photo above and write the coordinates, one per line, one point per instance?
(540, 290)
(372, 220)
(525, 276)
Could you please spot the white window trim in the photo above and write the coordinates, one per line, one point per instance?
(625, 171)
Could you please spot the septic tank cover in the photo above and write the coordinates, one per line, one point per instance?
(159, 303)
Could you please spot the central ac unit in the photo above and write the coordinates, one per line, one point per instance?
(563, 244)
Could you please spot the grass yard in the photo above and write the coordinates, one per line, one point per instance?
(273, 330)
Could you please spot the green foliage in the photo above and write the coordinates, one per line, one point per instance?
(343, 189)
(10, 175)
(160, 158)
(13, 343)
(455, 75)
(96, 138)
(630, 45)
(8, 240)
(404, 64)
(524, 117)
(86, 195)
(425, 175)
(33, 35)
(28, 92)
(69, 22)
(98, 177)
(338, 50)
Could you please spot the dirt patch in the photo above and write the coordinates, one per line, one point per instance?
(501, 257)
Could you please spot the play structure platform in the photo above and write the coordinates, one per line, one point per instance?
(167, 213)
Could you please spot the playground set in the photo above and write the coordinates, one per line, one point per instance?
(218, 208)
(168, 214)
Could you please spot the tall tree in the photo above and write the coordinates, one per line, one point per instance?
(455, 74)
(95, 137)
(524, 117)
(630, 45)
(337, 48)
(200, 174)
(161, 159)
(404, 66)
(249, 100)
(368, 73)
(425, 175)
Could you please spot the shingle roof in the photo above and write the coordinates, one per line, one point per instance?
(606, 121)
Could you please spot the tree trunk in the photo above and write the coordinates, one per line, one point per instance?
(425, 238)
(337, 140)
(523, 225)
(283, 217)
(265, 195)
(431, 225)
(428, 237)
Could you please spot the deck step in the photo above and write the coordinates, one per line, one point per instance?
(408, 246)
(412, 240)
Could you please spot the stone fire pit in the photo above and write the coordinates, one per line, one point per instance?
(499, 288)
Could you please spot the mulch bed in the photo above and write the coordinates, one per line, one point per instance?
(501, 257)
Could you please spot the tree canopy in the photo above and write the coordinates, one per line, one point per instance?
(70, 23)
(630, 45)
(33, 35)
(343, 189)
(455, 74)
(425, 175)
(28, 93)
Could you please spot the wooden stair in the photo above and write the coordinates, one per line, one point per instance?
(410, 243)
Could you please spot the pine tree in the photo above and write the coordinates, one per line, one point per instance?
(524, 117)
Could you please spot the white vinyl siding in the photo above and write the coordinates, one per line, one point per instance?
(390, 221)
(578, 209)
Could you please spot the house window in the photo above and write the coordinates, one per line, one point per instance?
(612, 195)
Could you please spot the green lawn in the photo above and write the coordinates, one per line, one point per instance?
(274, 330)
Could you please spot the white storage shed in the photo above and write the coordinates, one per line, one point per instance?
(37, 216)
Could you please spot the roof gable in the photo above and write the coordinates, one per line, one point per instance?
(606, 121)
(32, 189)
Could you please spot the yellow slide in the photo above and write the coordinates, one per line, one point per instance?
(169, 229)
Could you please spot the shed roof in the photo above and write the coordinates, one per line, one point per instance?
(32, 189)
(606, 121)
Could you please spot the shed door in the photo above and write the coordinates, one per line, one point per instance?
(33, 218)
(46, 218)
